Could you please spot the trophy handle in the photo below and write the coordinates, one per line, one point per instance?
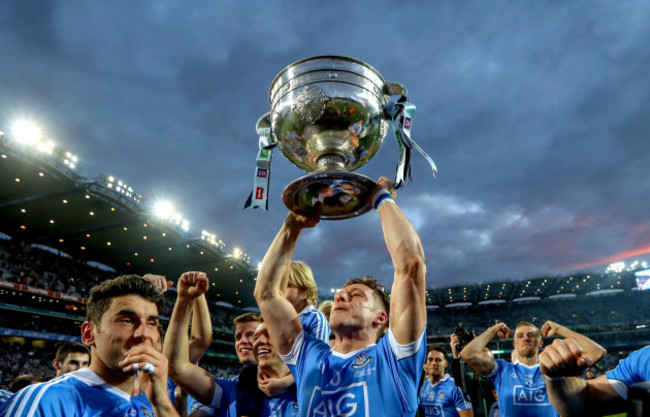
(393, 88)
(263, 122)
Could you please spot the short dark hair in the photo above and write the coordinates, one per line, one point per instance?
(376, 288)
(247, 317)
(439, 348)
(70, 347)
(22, 381)
(102, 294)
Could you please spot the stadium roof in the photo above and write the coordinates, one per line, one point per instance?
(44, 200)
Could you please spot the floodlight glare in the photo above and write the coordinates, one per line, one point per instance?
(236, 253)
(163, 209)
(25, 132)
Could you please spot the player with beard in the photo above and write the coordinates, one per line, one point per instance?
(439, 395)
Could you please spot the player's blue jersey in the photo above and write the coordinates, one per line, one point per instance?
(5, 395)
(315, 323)
(224, 399)
(81, 393)
(379, 380)
(635, 368)
(521, 390)
(283, 405)
(443, 399)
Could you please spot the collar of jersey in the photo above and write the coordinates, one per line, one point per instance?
(307, 309)
(349, 354)
(90, 378)
(526, 366)
(443, 379)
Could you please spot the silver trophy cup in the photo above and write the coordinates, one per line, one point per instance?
(328, 117)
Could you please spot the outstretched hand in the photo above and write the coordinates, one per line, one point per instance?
(385, 183)
(564, 357)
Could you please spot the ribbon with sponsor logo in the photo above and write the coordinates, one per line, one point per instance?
(401, 112)
(259, 196)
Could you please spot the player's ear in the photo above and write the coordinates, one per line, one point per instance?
(541, 342)
(56, 364)
(88, 334)
(381, 318)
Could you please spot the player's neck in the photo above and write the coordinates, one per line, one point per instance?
(435, 379)
(119, 380)
(300, 305)
(353, 340)
(529, 360)
(271, 371)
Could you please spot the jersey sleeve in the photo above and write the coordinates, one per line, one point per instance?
(41, 400)
(635, 368)
(405, 363)
(459, 399)
(306, 349)
(315, 323)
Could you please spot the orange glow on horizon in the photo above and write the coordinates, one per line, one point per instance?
(616, 257)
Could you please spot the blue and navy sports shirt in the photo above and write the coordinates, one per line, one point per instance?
(315, 323)
(379, 380)
(81, 393)
(521, 390)
(442, 399)
(635, 368)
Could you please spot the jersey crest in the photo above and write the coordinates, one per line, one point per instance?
(361, 360)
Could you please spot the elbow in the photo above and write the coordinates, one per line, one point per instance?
(413, 266)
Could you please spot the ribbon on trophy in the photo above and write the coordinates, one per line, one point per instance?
(401, 113)
(259, 196)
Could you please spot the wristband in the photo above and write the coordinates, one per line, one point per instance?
(554, 378)
(380, 197)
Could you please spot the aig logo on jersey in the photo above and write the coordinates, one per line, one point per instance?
(530, 396)
(347, 401)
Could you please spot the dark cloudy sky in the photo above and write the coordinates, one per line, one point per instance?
(537, 114)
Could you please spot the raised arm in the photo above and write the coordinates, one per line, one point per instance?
(408, 315)
(571, 395)
(193, 379)
(590, 348)
(201, 329)
(476, 355)
(278, 313)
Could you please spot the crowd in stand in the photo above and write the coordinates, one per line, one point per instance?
(44, 270)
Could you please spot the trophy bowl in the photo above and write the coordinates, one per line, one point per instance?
(327, 117)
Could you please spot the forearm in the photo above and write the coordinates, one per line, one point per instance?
(165, 409)
(408, 304)
(568, 396)
(475, 356)
(589, 347)
(278, 312)
(274, 270)
(176, 346)
(201, 333)
(401, 238)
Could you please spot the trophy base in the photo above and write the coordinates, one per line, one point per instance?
(341, 194)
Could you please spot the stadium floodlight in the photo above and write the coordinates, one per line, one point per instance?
(26, 132)
(163, 209)
(236, 253)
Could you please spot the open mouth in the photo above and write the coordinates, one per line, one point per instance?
(245, 350)
(263, 352)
